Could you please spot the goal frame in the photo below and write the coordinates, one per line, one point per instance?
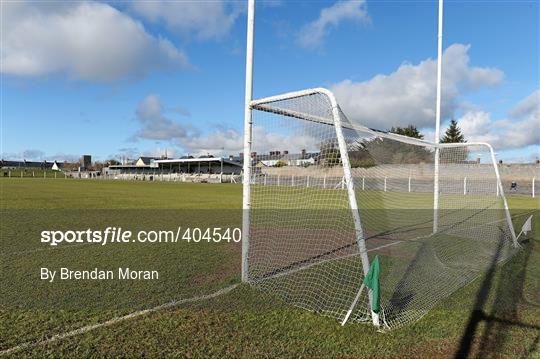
(251, 105)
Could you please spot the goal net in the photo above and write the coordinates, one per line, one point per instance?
(327, 195)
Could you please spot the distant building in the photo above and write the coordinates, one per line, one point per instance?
(55, 166)
(145, 161)
(85, 162)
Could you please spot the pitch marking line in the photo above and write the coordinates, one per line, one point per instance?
(116, 320)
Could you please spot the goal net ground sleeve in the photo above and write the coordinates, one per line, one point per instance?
(304, 239)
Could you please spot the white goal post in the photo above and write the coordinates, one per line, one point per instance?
(323, 195)
(307, 240)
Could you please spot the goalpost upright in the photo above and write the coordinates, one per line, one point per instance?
(247, 139)
(438, 122)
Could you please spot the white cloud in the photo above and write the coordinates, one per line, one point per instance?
(521, 130)
(203, 19)
(312, 35)
(528, 106)
(407, 96)
(155, 126)
(84, 40)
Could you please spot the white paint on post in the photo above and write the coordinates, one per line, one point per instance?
(385, 184)
(438, 122)
(247, 138)
(409, 184)
(464, 185)
(363, 183)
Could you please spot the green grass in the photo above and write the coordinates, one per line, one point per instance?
(245, 322)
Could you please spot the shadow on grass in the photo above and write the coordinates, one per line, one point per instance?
(507, 289)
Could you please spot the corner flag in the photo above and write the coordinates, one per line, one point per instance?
(372, 282)
(527, 227)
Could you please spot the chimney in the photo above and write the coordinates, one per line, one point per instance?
(303, 153)
(286, 152)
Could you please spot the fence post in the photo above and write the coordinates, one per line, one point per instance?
(307, 181)
(278, 178)
(44, 174)
(534, 179)
(385, 184)
(9, 174)
(409, 184)
(324, 182)
(22, 174)
(464, 185)
(54, 174)
(363, 183)
(292, 181)
(33, 174)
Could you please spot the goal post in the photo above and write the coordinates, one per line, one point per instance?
(247, 138)
(321, 195)
(327, 194)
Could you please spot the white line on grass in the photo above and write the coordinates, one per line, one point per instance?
(116, 320)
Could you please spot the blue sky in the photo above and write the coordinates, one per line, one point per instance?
(130, 78)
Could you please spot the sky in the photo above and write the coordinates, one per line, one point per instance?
(122, 79)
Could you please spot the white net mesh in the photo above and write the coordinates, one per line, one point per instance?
(303, 243)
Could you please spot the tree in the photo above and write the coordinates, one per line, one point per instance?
(453, 134)
(330, 154)
(409, 131)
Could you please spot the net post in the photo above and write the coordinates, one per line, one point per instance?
(247, 140)
(349, 184)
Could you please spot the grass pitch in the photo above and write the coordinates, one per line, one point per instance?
(497, 315)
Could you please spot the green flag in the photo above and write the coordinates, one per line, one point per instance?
(372, 282)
